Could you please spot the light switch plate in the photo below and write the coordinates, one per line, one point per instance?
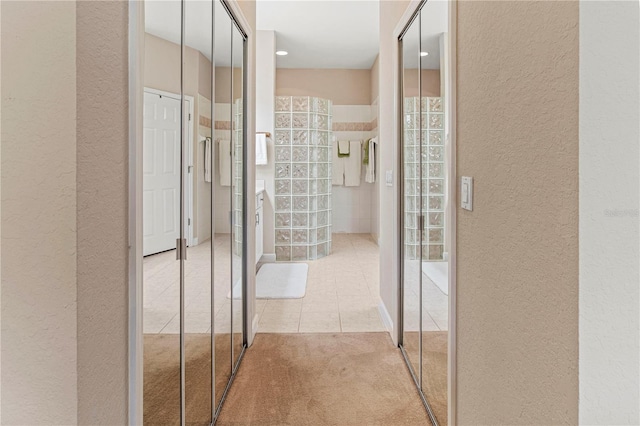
(389, 177)
(466, 193)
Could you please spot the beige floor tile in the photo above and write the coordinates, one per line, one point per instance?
(319, 322)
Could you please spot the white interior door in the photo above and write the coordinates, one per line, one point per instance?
(161, 166)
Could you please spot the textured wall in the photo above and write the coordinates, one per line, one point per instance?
(517, 125)
(38, 213)
(102, 156)
(390, 14)
(609, 226)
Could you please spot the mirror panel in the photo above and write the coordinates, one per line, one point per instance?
(434, 84)
(161, 212)
(411, 195)
(198, 212)
(238, 184)
(221, 178)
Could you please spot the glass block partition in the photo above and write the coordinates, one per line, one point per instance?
(237, 138)
(302, 177)
(432, 183)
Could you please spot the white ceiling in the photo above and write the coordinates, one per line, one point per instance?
(434, 20)
(322, 33)
(316, 33)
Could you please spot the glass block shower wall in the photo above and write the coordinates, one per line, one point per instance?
(302, 178)
(432, 183)
(237, 141)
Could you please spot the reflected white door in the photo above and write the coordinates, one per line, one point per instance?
(161, 167)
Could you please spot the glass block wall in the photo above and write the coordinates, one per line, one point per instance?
(432, 184)
(237, 169)
(302, 177)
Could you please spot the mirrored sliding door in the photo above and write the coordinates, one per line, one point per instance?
(424, 280)
(434, 266)
(198, 266)
(411, 200)
(238, 199)
(161, 211)
(221, 145)
(193, 209)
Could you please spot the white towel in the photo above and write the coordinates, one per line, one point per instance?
(343, 147)
(224, 162)
(353, 164)
(370, 170)
(337, 166)
(261, 149)
(207, 160)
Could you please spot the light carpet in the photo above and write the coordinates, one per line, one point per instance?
(278, 281)
(434, 368)
(323, 379)
(438, 273)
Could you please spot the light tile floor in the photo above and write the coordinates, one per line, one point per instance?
(435, 304)
(342, 293)
(161, 290)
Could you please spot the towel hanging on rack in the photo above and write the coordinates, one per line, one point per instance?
(261, 149)
(207, 159)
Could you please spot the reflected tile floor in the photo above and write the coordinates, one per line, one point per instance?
(435, 304)
(342, 293)
(161, 290)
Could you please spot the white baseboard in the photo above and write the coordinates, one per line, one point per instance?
(385, 317)
(268, 258)
(254, 328)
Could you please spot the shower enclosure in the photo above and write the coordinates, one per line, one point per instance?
(424, 149)
(302, 177)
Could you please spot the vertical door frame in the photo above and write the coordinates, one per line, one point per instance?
(452, 183)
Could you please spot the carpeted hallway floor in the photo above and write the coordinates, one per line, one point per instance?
(323, 379)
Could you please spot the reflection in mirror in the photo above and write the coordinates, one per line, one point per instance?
(198, 266)
(434, 85)
(411, 196)
(237, 166)
(221, 177)
(161, 212)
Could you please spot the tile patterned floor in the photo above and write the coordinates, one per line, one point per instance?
(342, 293)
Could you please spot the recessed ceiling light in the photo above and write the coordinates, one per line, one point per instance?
(424, 53)
(282, 52)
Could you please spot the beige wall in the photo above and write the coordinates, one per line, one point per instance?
(517, 273)
(102, 162)
(39, 308)
(223, 83)
(430, 82)
(375, 76)
(342, 86)
(390, 13)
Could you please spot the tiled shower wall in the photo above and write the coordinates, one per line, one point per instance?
(302, 177)
(432, 184)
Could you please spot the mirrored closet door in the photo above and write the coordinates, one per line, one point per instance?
(193, 209)
(425, 85)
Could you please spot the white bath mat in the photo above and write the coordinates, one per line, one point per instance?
(279, 281)
(438, 272)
